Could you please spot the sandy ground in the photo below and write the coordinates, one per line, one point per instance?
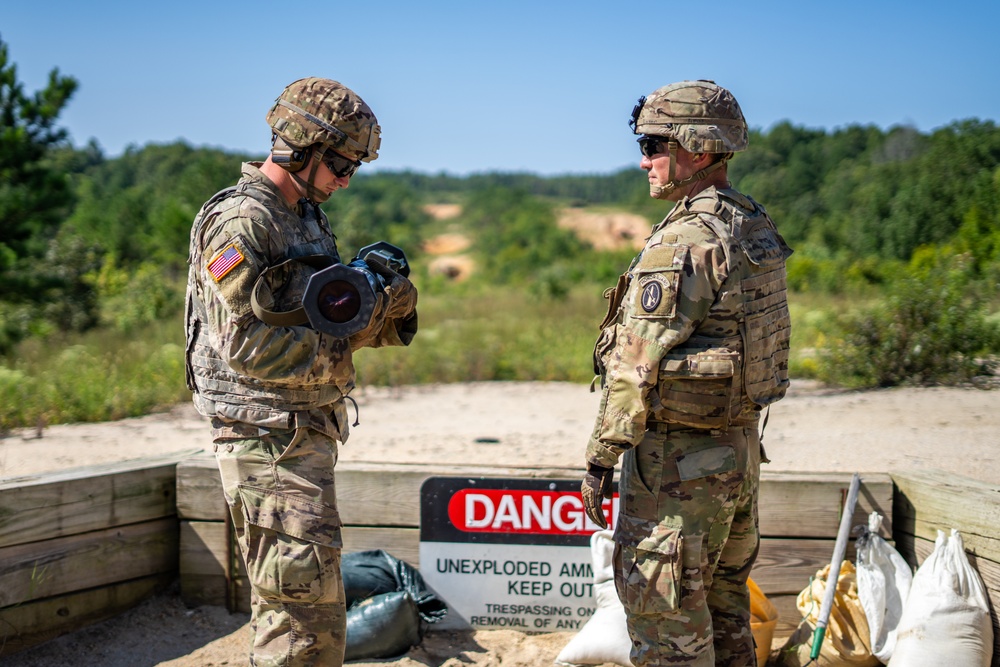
(543, 424)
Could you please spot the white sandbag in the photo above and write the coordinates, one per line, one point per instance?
(604, 637)
(946, 620)
(884, 580)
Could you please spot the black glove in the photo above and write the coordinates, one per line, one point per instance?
(595, 488)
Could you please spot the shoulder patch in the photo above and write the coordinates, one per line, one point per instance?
(233, 270)
(652, 296)
(657, 281)
(225, 261)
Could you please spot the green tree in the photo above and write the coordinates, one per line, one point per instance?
(41, 278)
(139, 207)
(518, 240)
(377, 208)
(34, 196)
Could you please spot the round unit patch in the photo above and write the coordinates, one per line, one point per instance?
(652, 294)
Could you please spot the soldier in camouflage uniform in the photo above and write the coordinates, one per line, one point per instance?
(276, 393)
(694, 346)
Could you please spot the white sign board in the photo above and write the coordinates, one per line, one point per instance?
(509, 553)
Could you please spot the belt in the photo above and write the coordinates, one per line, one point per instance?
(674, 427)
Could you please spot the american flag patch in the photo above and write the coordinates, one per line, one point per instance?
(225, 262)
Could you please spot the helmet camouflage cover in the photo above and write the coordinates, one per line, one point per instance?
(701, 116)
(321, 111)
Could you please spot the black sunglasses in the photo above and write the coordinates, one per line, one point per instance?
(651, 145)
(341, 166)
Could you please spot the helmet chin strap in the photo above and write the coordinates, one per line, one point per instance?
(672, 184)
(306, 187)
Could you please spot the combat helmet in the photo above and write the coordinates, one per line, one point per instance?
(699, 116)
(313, 116)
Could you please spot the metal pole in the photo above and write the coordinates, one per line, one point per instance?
(843, 536)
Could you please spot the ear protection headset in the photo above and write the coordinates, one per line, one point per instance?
(288, 157)
(295, 160)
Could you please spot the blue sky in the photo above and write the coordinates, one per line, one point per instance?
(470, 86)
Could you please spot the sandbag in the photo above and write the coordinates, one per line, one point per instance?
(884, 580)
(383, 626)
(604, 637)
(946, 620)
(369, 573)
(846, 642)
(388, 605)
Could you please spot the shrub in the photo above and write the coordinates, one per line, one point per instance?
(132, 299)
(932, 328)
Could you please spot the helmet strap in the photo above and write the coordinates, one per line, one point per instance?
(310, 191)
(672, 185)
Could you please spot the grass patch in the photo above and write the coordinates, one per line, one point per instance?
(97, 376)
(814, 318)
(471, 334)
(493, 334)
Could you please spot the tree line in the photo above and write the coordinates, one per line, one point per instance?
(88, 240)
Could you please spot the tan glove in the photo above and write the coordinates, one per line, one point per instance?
(401, 293)
(595, 488)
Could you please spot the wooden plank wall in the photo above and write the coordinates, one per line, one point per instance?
(380, 506)
(925, 502)
(81, 545)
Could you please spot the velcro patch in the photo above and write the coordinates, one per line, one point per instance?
(225, 261)
(233, 271)
(658, 279)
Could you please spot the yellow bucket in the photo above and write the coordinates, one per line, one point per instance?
(763, 619)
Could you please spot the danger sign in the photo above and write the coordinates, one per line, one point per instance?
(519, 512)
(506, 553)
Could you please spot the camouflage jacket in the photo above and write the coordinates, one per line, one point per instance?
(697, 330)
(239, 368)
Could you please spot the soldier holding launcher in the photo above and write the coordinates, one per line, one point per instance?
(275, 387)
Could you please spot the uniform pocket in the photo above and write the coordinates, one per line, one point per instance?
(283, 569)
(697, 389)
(602, 348)
(292, 547)
(712, 461)
(649, 580)
(296, 517)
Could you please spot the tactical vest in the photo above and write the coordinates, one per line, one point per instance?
(736, 362)
(218, 389)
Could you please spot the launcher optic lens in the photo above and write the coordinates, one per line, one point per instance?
(338, 301)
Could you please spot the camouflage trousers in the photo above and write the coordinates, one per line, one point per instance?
(686, 539)
(280, 491)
